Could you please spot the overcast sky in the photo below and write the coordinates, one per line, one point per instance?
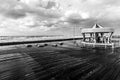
(56, 17)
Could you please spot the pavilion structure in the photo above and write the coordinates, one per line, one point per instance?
(97, 36)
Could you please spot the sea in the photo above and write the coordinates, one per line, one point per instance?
(28, 38)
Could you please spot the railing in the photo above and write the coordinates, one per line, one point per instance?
(116, 42)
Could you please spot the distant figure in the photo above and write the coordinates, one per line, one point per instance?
(99, 39)
(107, 39)
(104, 39)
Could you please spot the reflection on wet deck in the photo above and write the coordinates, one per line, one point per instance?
(57, 64)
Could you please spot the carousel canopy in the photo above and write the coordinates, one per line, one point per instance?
(97, 28)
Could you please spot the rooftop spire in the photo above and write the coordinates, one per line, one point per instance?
(97, 26)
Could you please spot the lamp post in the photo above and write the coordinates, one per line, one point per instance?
(74, 32)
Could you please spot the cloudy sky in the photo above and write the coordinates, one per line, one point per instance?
(56, 17)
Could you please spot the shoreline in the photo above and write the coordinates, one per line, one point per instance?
(38, 41)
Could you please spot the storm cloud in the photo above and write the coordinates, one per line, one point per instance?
(34, 16)
(19, 10)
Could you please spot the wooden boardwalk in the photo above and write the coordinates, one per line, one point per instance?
(60, 63)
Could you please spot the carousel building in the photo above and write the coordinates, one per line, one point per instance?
(97, 36)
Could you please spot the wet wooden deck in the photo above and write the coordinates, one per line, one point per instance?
(59, 63)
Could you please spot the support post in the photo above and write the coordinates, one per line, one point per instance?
(110, 37)
(94, 38)
(83, 36)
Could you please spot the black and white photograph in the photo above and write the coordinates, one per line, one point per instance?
(59, 39)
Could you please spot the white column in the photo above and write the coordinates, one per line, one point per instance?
(94, 38)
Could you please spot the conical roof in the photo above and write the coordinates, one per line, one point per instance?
(97, 26)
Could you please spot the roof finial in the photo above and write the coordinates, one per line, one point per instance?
(97, 26)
